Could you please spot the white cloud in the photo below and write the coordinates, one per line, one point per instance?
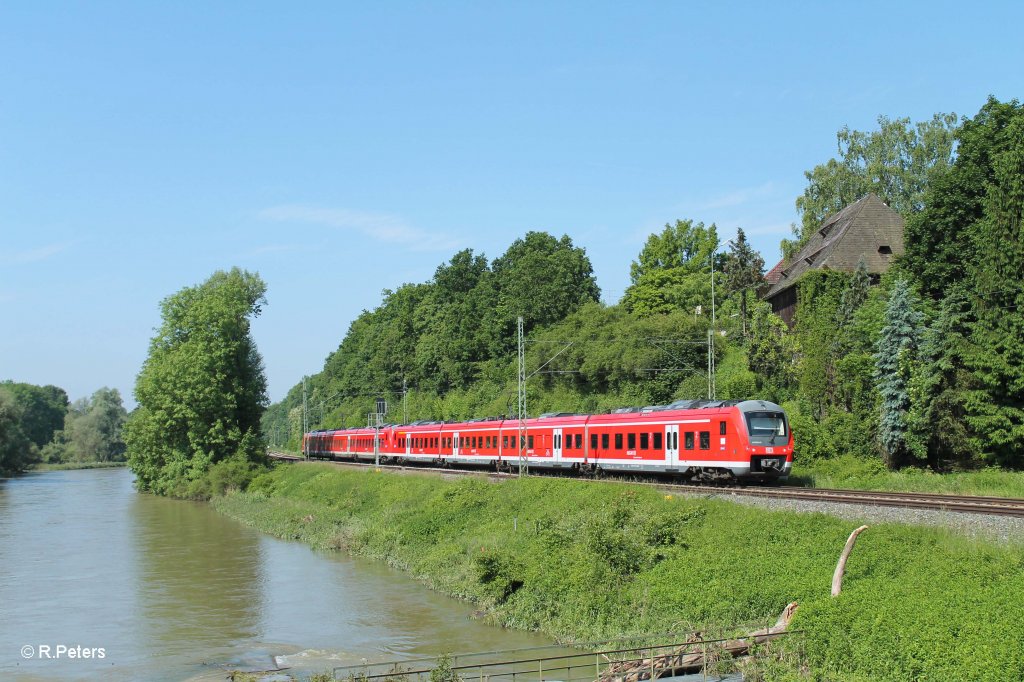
(383, 227)
(739, 197)
(39, 254)
(269, 248)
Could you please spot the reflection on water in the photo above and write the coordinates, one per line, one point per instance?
(200, 582)
(172, 590)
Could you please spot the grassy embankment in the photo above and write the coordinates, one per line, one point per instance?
(862, 473)
(76, 465)
(590, 561)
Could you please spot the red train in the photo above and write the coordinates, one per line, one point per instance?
(703, 440)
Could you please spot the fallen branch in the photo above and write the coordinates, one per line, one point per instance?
(683, 659)
(837, 577)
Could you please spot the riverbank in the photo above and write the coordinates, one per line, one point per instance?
(580, 560)
(69, 466)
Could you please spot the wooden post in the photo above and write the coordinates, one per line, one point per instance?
(837, 577)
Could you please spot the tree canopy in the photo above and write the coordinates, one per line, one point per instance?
(17, 451)
(897, 162)
(673, 270)
(201, 391)
(920, 366)
(92, 430)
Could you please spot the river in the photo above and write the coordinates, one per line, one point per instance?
(171, 590)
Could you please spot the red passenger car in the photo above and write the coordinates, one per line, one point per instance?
(700, 440)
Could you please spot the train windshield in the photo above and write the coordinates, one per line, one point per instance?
(766, 424)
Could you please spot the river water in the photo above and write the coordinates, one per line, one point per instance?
(172, 590)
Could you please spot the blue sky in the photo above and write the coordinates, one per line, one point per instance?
(342, 148)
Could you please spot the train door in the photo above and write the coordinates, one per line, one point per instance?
(672, 445)
(556, 445)
(408, 444)
(455, 444)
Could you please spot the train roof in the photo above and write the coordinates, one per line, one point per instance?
(576, 417)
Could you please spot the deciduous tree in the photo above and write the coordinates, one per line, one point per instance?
(201, 390)
(897, 162)
(16, 450)
(673, 270)
(939, 242)
(92, 427)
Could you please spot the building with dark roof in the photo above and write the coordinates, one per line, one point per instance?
(865, 229)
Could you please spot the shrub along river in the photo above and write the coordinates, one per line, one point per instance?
(152, 588)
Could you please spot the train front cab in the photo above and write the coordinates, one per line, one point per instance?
(769, 442)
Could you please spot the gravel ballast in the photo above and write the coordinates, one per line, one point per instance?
(1007, 529)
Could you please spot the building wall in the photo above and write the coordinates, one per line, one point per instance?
(784, 305)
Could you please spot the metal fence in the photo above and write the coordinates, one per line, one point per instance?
(605, 661)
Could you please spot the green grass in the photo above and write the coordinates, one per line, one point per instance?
(77, 465)
(581, 561)
(863, 473)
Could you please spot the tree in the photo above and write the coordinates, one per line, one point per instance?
(744, 270)
(42, 408)
(453, 340)
(997, 357)
(896, 347)
(673, 270)
(939, 243)
(201, 390)
(897, 162)
(772, 351)
(541, 278)
(92, 428)
(941, 389)
(17, 452)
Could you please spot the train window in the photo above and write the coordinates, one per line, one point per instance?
(618, 441)
(645, 440)
(529, 442)
(631, 441)
(721, 428)
(579, 441)
(657, 441)
(593, 441)
(705, 440)
(604, 441)
(504, 441)
(689, 440)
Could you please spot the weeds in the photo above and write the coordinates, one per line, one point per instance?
(585, 561)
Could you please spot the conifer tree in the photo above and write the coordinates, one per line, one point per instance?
(942, 388)
(899, 340)
(744, 270)
(997, 358)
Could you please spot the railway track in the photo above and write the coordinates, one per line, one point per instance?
(997, 506)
